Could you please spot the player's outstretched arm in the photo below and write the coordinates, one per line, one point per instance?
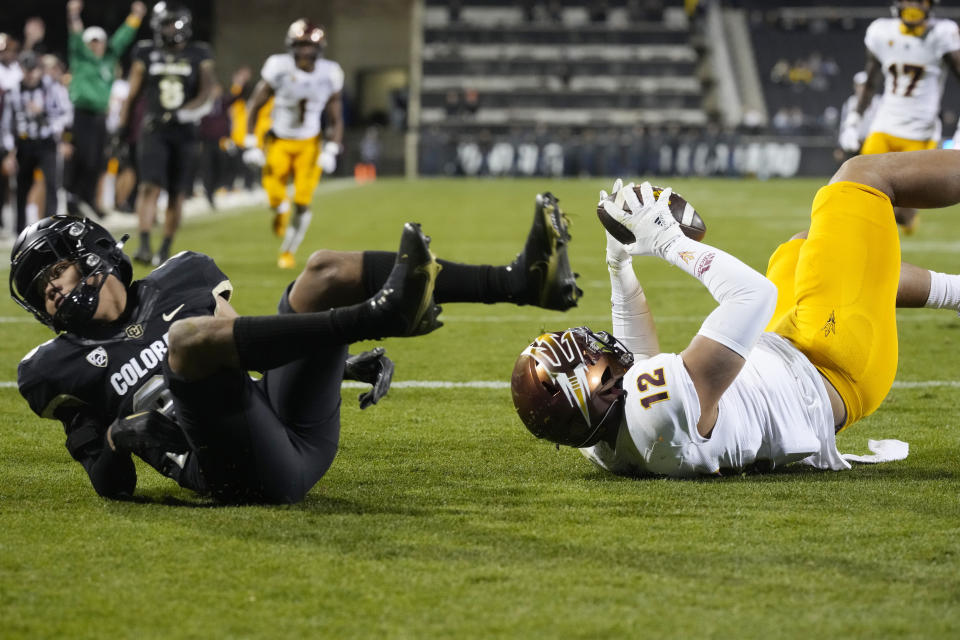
(632, 320)
(917, 179)
(746, 298)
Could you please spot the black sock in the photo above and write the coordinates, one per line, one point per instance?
(457, 282)
(267, 342)
(165, 246)
(145, 240)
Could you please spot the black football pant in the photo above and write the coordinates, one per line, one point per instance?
(267, 440)
(87, 164)
(33, 155)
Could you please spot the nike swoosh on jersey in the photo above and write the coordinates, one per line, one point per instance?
(167, 317)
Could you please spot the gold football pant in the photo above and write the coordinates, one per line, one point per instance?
(284, 157)
(878, 142)
(837, 293)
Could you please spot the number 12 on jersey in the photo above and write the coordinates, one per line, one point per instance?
(647, 380)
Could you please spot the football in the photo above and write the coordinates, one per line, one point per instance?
(690, 221)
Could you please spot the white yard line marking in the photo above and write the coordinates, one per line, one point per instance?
(498, 384)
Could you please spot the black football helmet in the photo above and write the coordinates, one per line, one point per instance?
(177, 20)
(567, 385)
(56, 239)
(304, 32)
(913, 16)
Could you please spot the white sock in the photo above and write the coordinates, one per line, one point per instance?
(295, 232)
(944, 291)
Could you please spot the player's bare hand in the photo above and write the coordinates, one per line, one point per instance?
(33, 32)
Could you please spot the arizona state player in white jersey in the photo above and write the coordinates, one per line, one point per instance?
(780, 364)
(908, 53)
(304, 86)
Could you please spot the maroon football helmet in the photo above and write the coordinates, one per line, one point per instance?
(567, 385)
(303, 31)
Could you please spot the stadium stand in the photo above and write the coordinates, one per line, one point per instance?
(499, 71)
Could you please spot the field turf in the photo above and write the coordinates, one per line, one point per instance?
(443, 517)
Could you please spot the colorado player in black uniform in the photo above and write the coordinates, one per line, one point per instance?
(175, 75)
(158, 367)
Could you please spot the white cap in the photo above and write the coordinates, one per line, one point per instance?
(94, 33)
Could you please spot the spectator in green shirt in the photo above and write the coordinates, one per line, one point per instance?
(92, 60)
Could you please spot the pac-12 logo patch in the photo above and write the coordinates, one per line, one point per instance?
(98, 357)
(134, 331)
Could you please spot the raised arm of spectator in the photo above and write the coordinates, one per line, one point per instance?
(33, 33)
(74, 22)
(123, 37)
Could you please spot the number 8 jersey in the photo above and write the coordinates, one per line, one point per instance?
(913, 72)
(171, 78)
(776, 412)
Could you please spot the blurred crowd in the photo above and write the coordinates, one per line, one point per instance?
(61, 147)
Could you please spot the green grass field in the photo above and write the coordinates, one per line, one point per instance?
(442, 517)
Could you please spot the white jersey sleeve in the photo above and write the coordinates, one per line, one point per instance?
(276, 68)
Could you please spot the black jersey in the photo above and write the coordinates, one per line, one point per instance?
(171, 78)
(117, 369)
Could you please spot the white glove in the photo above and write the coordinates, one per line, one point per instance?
(850, 132)
(252, 153)
(327, 160)
(617, 256)
(651, 222)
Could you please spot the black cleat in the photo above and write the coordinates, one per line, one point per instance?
(549, 281)
(160, 257)
(408, 292)
(143, 255)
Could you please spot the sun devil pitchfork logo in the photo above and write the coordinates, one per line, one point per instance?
(98, 357)
(562, 360)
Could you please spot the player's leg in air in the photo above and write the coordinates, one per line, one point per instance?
(846, 324)
(274, 445)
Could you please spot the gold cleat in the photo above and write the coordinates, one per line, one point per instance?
(286, 260)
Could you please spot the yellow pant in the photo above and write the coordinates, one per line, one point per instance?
(286, 156)
(878, 142)
(837, 293)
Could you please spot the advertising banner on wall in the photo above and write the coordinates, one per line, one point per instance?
(606, 154)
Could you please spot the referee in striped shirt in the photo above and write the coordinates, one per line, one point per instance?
(35, 114)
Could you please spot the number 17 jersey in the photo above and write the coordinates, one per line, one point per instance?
(913, 76)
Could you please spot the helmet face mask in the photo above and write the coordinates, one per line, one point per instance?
(69, 241)
(567, 385)
(912, 13)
